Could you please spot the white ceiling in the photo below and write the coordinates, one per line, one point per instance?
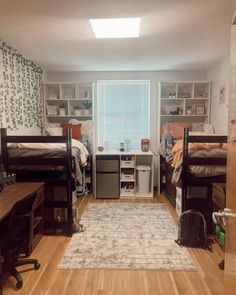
(175, 34)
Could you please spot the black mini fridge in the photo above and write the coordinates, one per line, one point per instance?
(107, 177)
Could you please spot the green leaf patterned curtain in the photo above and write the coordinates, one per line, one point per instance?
(21, 103)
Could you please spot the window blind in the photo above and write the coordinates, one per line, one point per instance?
(123, 110)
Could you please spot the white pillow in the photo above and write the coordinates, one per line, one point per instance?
(209, 129)
(56, 131)
(197, 127)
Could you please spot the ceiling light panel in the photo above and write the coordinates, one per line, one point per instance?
(116, 27)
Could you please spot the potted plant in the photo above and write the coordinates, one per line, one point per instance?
(87, 107)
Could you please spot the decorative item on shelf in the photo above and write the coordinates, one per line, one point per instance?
(189, 110)
(145, 145)
(77, 111)
(201, 93)
(100, 148)
(200, 110)
(127, 145)
(62, 110)
(122, 147)
(185, 95)
(53, 96)
(174, 112)
(172, 94)
(85, 94)
(179, 111)
(51, 110)
(87, 105)
(222, 95)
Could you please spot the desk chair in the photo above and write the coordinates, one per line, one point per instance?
(16, 238)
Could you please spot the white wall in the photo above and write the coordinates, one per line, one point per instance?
(219, 75)
(150, 75)
(153, 76)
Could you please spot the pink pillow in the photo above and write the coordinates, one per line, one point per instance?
(175, 129)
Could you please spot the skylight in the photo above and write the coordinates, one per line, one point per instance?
(116, 27)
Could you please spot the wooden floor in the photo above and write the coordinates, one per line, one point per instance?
(48, 280)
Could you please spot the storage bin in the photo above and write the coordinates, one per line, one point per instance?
(219, 195)
(129, 163)
(62, 111)
(193, 192)
(127, 177)
(179, 194)
(197, 192)
(178, 207)
(143, 179)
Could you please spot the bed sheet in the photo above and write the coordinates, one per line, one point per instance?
(49, 150)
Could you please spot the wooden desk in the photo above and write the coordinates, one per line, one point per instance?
(16, 192)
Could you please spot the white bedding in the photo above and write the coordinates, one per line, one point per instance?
(42, 146)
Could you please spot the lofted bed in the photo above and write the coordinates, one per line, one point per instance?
(191, 166)
(54, 160)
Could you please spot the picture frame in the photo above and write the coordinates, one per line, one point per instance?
(222, 95)
(200, 110)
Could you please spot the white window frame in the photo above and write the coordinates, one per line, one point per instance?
(96, 109)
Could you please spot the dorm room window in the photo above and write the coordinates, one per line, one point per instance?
(123, 112)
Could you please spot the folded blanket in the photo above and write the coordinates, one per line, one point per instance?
(177, 150)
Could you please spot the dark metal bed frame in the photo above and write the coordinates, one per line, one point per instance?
(51, 178)
(204, 205)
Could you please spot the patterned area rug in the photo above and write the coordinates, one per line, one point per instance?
(126, 236)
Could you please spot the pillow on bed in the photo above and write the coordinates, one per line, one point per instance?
(54, 131)
(175, 129)
(208, 128)
(86, 128)
(76, 130)
(197, 127)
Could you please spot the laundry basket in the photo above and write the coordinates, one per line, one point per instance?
(143, 179)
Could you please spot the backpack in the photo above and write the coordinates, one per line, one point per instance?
(192, 230)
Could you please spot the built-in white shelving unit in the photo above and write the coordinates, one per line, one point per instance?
(64, 101)
(183, 101)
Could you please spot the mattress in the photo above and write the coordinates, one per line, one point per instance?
(45, 151)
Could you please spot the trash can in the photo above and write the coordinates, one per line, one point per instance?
(143, 179)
